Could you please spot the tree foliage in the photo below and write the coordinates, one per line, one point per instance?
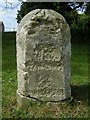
(88, 9)
(81, 28)
(63, 8)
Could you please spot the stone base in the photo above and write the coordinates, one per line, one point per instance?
(25, 102)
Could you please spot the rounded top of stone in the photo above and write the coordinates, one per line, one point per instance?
(41, 15)
(43, 21)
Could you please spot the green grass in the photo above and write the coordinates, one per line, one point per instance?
(74, 107)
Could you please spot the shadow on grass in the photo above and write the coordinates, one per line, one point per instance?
(81, 92)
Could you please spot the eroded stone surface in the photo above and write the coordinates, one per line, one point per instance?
(43, 56)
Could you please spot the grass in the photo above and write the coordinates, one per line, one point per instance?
(74, 107)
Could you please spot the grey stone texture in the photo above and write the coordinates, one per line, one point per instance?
(43, 56)
(1, 27)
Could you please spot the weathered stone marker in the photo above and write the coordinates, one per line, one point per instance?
(43, 56)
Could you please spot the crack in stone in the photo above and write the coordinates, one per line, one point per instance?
(28, 96)
(32, 97)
